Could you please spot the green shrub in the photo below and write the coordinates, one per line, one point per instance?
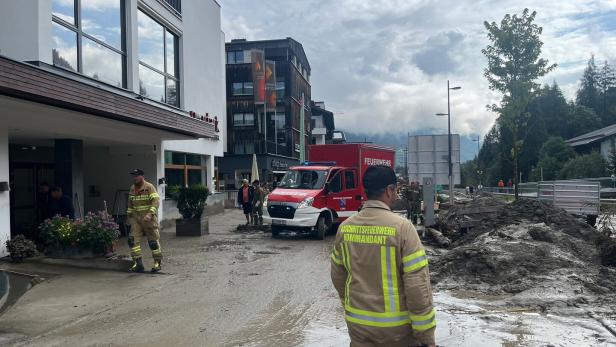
(20, 248)
(191, 201)
(172, 192)
(96, 233)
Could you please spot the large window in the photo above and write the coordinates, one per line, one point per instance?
(183, 169)
(243, 88)
(158, 61)
(244, 147)
(88, 37)
(243, 119)
(280, 90)
(235, 57)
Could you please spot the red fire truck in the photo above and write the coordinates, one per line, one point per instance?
(325, 190)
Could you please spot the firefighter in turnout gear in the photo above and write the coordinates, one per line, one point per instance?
(380, 270)
(142, 213)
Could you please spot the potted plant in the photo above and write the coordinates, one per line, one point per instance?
(92, 236)
(190, 203)
(20, 248)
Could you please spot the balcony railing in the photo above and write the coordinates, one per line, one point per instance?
(176, 4)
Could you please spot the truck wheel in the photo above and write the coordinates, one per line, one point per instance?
(275, 230)
(321, 228)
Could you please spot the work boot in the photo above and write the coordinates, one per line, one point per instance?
(137, 266)
(156, 268)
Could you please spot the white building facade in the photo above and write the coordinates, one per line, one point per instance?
(91, 89)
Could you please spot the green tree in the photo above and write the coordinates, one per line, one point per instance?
(588, 93)
(514, 65)
(553, 155)
(606, 84)
(582, 120)
(584, 166)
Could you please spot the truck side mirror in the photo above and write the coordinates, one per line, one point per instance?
(326, 188)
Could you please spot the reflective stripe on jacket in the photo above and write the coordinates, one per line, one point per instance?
(143, 200)
(380, 270)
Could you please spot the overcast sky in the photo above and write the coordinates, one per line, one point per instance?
(383, 65)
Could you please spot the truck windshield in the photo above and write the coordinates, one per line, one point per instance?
(303, 179)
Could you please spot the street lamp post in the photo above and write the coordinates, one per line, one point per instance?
(448, 114)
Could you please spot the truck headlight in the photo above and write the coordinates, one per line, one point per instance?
(265, 201)
(306, 203)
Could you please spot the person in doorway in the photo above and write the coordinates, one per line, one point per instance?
(380, 270)
(60, 205)
(245, 197)
(501, 185)
(510, 183)
(142, 214)
(42, 199)
(257, 203)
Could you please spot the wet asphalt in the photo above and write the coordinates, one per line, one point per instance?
(247, 289)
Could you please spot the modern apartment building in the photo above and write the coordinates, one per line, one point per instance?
(91, 89)
(270, 130)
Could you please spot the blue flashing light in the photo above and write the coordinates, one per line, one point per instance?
(322, 163)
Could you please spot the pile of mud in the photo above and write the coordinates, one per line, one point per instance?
(500, 247)
(249, 228)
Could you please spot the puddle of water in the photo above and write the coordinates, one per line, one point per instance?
(12, 287)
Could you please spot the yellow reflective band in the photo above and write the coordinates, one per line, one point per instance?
(368, 230)
(415, 261)
(394, 278)
(347, 256)
(335, 251)
(154, 196)
(157, 251)
(384, 280)
(384, 322)
(412, 256)
(336, 260)
(153, 209)
(424, 322)
(348, 308)
(139, 197)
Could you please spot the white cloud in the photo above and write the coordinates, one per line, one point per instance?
(385, 63)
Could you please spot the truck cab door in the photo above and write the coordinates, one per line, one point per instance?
(341, 196)
(352, 190)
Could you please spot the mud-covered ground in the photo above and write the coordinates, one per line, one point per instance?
(246, 289)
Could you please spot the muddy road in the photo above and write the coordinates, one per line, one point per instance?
(247, 289)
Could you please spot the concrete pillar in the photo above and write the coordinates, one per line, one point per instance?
(159, 153)
(209, 174)
(69, 171)
(5, 212)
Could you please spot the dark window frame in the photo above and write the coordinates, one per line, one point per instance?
(78, 30)
(244, 123)
(235, 55)
(244, 88)
(176, 58)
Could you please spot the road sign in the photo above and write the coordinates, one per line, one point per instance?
(429, 157)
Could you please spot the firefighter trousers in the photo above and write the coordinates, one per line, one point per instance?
(150, 229)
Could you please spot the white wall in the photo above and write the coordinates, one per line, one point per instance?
(108, 168)
(25, 28)
(5, 215)
(202, 72)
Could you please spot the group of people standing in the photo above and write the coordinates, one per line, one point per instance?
(52, 202)
(251, 198)
(411, 194)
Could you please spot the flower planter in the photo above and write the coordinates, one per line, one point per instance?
(72, 253)
(192, 227)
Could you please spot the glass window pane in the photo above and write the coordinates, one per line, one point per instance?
(101, 63)
(249, 119)
(172, 92)
(171, 54)
(64, 9)
(174, 177)
(64, 47)
(280, 89)
(168, 157)
(151, 84)
(193, 159)
(103, 20)
(179, 158)
(248, 89)
(237, 88)
(230, 57)
(239, 57)
(194, 177)
(151, 41)
(238, 119)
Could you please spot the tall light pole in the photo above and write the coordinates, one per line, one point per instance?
(478, 148)
(448, 114)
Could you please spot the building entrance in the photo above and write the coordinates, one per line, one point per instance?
(28, 205)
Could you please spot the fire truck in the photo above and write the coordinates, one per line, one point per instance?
(325, 190)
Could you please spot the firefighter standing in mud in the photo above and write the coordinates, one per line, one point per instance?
(142, 213)
(380, 270)
(412, 200)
